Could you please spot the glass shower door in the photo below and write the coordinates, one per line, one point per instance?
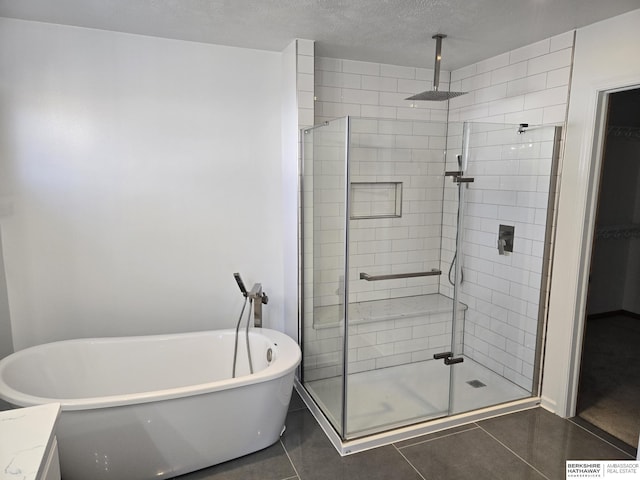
(397, 319)
(387, 341)
(503, 248)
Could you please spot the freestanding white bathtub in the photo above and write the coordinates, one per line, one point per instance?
(156, 406)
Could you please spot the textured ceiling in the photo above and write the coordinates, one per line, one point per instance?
(387, 31)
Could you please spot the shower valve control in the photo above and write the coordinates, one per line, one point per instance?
(448, 358)
(505, 239)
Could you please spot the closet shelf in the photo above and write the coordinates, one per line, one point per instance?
(617, 232)
(629, 133)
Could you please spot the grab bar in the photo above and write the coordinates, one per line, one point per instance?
(374, 278)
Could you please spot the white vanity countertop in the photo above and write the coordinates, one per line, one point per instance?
(25, 435)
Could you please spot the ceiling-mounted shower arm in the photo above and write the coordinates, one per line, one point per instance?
(436, 65)
(435, 94)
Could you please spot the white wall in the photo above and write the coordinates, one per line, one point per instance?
(597, 68)
(141, 173)
(6, 338)
(290, 184)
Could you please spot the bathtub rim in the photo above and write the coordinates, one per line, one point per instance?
(288, 357)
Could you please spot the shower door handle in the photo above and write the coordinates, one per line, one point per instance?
(448, 358)
(451, 360)
(445, 355)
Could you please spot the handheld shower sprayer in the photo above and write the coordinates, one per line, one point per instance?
(240, 283)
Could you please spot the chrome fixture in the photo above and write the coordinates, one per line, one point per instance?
(258, 297)
(393, 276)
(435, 94)
(256, 294)
(453, 173)
(448, 358)
(245, 294)
(505, 239)
(457, 177)
(240, 283)
(522, 128)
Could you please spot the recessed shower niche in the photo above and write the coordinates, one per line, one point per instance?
(375, 200)
(410, 314)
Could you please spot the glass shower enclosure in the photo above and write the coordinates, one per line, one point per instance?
(425, 256)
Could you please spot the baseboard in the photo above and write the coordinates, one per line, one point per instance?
(549, 404)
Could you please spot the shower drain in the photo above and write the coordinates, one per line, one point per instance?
(476, 383)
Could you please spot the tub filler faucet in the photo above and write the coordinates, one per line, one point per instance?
(259, 297)
(256, 298)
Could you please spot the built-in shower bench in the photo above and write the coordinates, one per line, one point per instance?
(382, 333)
(387, 309)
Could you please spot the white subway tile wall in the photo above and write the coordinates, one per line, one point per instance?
(305, 71)
(409, 153)
(323, 184)
(527, 85)
(305, 82)
(382, 333)
(409, 156)
(375, 90)
(513, 176)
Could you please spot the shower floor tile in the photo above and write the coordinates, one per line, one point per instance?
(404, 394)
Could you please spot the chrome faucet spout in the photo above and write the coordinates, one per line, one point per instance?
(256, 290)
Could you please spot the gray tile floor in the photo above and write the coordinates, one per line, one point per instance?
(533, 444)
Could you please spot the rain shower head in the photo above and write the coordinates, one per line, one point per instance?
(435, 94)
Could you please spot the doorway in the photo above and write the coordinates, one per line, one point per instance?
(609, 386)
